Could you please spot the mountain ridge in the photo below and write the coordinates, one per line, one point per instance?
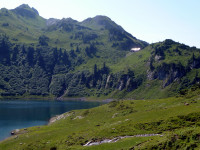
(40, 24)
(89, 59)
(26, 10)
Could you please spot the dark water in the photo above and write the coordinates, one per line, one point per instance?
(16, 114)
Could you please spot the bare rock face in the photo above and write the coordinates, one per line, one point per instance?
(167, 72)
(51, 21)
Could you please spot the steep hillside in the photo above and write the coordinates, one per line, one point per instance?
(160, 70)
(92, 58)
(166, 68)
(22, 25)
(36, 52)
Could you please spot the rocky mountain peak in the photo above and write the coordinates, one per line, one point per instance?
(26, 11)
(101, 21)
(69, 20)
(23, 6)
(51, 21)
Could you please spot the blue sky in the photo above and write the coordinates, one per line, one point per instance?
(148, 20)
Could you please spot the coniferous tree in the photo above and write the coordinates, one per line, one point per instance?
(95, 76)
(5, 50)
(65, 58)
(15, 54)
(43, 40)
(55, 56)
(30, 56)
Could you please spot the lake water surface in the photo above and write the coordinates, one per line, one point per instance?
(17, 114)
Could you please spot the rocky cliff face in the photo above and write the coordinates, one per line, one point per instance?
(168, 73)
(171, 70)
(88, 84)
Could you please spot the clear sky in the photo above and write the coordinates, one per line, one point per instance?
(148, 20)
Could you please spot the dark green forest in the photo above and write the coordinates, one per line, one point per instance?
(42, 70)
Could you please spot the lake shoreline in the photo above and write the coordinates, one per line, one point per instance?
(59, 99)
(56, 106)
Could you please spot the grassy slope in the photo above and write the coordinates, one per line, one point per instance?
(117, 119)
(27, 30)
(139, 63)
(21, 29)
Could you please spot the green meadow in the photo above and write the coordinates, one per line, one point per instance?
(175, 119)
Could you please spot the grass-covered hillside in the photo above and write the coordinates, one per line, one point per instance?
(92, 59)
(35, 52)
(165, 69)
(22, 25)
(171, 123)
(66, 58)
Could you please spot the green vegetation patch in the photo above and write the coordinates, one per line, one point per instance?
(116, 119)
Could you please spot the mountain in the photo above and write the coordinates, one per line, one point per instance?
(66, 58)
(29, 43)
(25, 11)
(166, 68)
(97, 59)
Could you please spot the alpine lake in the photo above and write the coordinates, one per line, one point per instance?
(17, 114)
